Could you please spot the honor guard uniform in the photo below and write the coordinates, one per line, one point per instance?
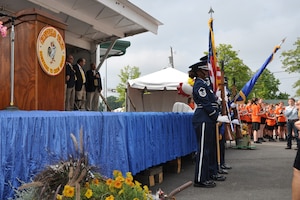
(204, 122)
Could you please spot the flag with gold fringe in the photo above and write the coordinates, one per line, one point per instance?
(242, 95)
(215, 72)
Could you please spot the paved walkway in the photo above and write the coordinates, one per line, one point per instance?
(264, 173)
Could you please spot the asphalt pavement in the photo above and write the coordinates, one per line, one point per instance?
(263, 173)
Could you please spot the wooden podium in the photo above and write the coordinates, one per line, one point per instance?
(34, 88)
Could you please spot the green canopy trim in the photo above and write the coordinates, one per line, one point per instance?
(118, 49)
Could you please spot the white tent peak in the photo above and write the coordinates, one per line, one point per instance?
(165, 79)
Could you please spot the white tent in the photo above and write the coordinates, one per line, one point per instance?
(155, 92)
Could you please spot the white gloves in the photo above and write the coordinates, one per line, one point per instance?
(233, 105)
(235, 121)
(223, 118)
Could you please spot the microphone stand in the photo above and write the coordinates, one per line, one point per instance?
(12, 61)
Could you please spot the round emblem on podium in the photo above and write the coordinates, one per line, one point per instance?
(51, 51)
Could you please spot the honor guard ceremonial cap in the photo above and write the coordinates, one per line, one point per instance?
(200, 65)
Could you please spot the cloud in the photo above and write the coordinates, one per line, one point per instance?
(253, 28)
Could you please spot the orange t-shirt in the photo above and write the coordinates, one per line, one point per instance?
(248, 114)
(271, 121)
(255, 113)
(280, 116)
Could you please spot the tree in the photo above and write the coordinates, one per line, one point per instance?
(127, 73)
(291, 63)
(266, 86)
(235, 70)
(238, 74)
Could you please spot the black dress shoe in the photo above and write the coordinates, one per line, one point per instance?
(225, 166)
(288, 147)
(222, 171)
(218, 177)
(205, 184)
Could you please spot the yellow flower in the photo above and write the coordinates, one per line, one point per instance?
(118, 184)
(89, 193)
(109, 181)
(68, 191)
(137, 183)
(111, 197)
(59, 197)
(96, 181)
(129, 175)
(136, 199)
(128, 181)
(120, 178)
(146, 189)
(87, 184)
(117, 173)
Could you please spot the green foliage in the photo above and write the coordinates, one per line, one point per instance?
(266, 86)
(291, 63)
(238, 74)
(126, 74)
(234, 69)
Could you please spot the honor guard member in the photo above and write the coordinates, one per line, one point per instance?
(204, 122)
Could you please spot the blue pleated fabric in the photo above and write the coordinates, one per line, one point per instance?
(129, 141)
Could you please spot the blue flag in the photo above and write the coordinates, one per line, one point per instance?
(242, 95)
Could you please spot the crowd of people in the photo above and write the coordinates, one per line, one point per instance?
(82, 89)
(271, 122)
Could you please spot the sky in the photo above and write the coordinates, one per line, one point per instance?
(253, 28)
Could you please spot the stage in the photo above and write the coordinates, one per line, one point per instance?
(129, 141)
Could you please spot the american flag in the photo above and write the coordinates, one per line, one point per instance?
(215, 72)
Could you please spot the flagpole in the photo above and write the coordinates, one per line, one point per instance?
(211, 11)
(244, 92)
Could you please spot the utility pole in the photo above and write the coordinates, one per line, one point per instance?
(171, 58)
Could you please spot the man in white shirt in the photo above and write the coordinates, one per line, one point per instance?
(291, 113)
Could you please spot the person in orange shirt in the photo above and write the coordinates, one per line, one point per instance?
(271, 121)
(263, 115)
(248, 117)
(242, 112)
(256, 119)
(281, 120)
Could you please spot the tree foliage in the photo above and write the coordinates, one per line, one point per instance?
(291, 63)
(238, 74)
(126, 74)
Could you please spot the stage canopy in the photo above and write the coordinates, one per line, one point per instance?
(90, 22)
(155, 92)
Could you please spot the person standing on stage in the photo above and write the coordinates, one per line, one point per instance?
(204, 122)
(93, 88)
(80, 95)
(70, 84)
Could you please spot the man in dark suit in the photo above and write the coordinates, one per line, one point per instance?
(70, 84)
(80, 95)
(93, 88)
